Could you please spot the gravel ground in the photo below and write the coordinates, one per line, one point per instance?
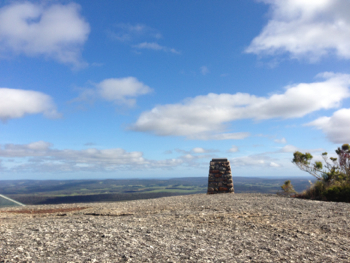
(194, 228)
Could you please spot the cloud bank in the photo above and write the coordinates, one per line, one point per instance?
(254, 161)
(42, 157)
(206, 117)
(53, 31)
(16, 103)
(305, 29)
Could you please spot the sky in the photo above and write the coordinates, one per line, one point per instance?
(156, 89)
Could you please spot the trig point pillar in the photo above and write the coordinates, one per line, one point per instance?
(220, 177)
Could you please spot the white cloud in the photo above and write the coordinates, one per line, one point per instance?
(205, 117)
(220, 136)
(289, 149)
(202, 150)
(41, 156)
(169, 163)
(335, 127)
(204, 70)
(54, 31)
(283, 140)
(37, 146)
(134, 34)
(233, 149)
(198, 150)
(253, 161)
(188, 156)
(34, 149)
(305, 29)
(128, 32)
(122, 91)
(195, 160)
(15, 103)
(156, 46)
(292, 149)
(119, 90)
(273, 164)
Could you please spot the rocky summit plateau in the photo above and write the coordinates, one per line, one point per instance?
(191, 228)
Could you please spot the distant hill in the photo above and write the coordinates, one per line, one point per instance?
(76, 191)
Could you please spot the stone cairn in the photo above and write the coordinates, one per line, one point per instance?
(220, 177)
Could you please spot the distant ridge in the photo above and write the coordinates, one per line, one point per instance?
(6, 201)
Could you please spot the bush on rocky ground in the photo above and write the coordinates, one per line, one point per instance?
(287, 189)
(333, 177)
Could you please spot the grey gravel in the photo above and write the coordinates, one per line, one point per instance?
(192, 228)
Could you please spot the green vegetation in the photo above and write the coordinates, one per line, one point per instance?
(333, 177)
(287, 188)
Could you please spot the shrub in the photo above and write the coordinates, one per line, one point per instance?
(316, 191)
(338, 193)
(333, 178)
(287, 188)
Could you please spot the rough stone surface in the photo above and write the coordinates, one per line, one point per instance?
(220, 177)
(193, 228)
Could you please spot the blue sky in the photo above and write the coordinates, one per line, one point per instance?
(139, 89)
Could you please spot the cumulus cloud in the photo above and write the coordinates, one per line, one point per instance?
(54, 31)
(156, 46)
(335, 127)
(305, 29)
(119, 90)
(206, 117)
(122, 91)
(43, 157)
(15, 103)
(283, 140)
